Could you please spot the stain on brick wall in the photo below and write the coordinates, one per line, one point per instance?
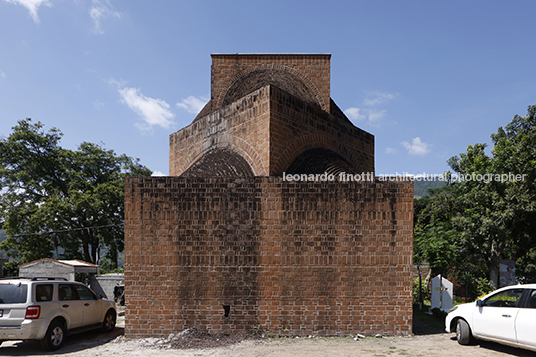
(326, 258)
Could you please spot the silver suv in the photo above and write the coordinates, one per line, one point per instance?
(47, 309)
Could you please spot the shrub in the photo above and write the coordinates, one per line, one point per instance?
(424, 289)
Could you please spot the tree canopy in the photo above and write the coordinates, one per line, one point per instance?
(54, 197)
(488, 215)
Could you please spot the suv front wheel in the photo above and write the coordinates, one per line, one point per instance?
(54, 336)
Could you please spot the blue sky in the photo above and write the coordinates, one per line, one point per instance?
(427, 78)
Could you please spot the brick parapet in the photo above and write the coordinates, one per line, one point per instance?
(326, 258)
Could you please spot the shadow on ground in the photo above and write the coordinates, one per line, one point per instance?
(422, 328)
(497, 347)
(74, 343)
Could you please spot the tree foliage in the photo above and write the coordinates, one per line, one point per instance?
(435, 240)
(54, 197)
(491, 214)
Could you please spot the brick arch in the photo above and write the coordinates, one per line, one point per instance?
(305, 80)
(230, 142)
(308, 142)
(221, 162)
(320, 161)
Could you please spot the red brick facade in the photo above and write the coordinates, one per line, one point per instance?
(300, 258)
(229, 244)
(270, 129)
(313, 69)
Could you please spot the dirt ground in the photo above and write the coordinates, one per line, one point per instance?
(424, 343)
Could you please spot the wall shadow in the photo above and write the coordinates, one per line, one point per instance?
(74, 343)
(497, 347)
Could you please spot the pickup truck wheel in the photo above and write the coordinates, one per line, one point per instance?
(463, 332)
(54, 337)
(108, 324)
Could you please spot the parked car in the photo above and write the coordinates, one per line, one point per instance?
(47, 309)
(506, 316)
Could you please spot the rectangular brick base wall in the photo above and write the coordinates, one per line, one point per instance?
(229, 255)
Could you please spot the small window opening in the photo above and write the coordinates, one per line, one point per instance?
(226, 310)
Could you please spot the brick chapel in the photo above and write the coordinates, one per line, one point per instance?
(227, 243)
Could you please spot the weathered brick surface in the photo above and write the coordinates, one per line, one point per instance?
(270, 122)
(231, 246)
(270, 128)
(296, 127)
(312, 69)
(323, 258)
(242, 127)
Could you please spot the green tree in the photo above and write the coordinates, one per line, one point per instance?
(497, 216)
(435, 240)
(514, 152)
(466, 228)
(77, 195)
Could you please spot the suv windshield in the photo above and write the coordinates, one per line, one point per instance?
(13, 293)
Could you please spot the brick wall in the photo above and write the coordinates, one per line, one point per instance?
(325, 258)
(313, 69)
(270, 128)
(296, 127)
(242, 127)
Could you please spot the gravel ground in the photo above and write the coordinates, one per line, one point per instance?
(193, 342)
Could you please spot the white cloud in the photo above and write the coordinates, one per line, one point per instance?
(354, 114)
(374, 116)
(192, 104)
(417, 147)
(2, 74)
(152, 111)
(369, 110)
(158, 173)
(390, 151)
(98, 104)
(100, 10)
(32, 6)
(375, 98)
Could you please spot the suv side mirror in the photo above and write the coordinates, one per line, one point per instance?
(479, 303)
(99, 296)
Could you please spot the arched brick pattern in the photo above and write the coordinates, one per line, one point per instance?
(319, 161)
(226, 142)
(313, 90)
(219, 163)
(308, 142)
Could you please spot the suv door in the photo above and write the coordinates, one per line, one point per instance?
(71, 306)
(526, 322)
(92, 313)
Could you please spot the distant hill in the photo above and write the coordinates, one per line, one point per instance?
(421, 187)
